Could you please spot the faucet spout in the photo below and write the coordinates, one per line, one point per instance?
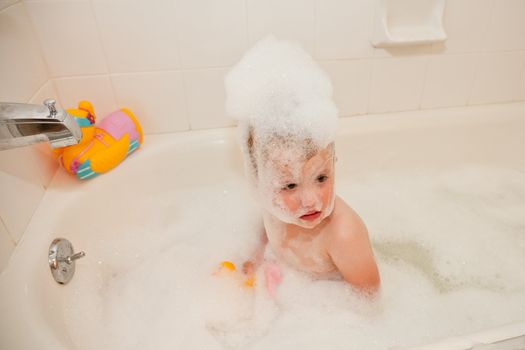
(24, 124)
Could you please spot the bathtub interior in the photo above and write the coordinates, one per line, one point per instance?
(442, 197)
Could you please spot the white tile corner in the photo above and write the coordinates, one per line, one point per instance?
(7, 246)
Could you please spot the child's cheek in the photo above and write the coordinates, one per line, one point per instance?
(290, 202)
(326, 193)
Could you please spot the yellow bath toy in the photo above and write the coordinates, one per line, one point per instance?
(228, 268)
(102, 147)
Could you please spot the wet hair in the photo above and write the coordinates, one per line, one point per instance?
(276, 142)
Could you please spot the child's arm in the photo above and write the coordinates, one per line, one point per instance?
(352, 254)
(250, 266)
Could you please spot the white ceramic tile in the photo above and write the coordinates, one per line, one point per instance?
(68, 34)
(466, 23)
(157, 99)
(499, 78)
(210, 33)
(285, 19)
(95, 89)
(46, 161)
(7, 245)
(206, 98)
(343, 29)
(6, 3)
(351, 82)
(449, 80)
(397, 84)
(136, 36)
(22, 69)
(21, 189)
(507, 28)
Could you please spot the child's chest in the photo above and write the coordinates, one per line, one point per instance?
(304, 251)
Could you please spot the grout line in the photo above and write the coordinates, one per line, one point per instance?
(485, 34)
(174, 70)
(522, 84)
(247, 23)
(425, 82)
(11, 5)
(316, 29)
(176, 28)
(185, 92)
(370, 77)
(104, 52)
(39, 90)
(371, 83)
(476, 79)
(357, 115)
(7, 231)
(37, 39)
(199, 69)
(485, 104)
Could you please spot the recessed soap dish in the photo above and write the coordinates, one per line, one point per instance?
(408, 22)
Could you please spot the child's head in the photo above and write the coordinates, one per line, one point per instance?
(293, 177)
(288, 121)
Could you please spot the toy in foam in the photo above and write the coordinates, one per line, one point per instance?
(101, 147)
(228, 268)
(272, 273)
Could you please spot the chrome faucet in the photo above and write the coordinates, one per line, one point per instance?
(24, 124)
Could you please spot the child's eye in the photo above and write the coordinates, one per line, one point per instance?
(290, 186)
(322, 178)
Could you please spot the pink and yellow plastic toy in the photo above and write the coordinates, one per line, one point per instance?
(102, 147)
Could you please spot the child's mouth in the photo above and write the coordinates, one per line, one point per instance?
(311, 216)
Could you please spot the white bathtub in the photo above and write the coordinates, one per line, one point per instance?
(135, 218)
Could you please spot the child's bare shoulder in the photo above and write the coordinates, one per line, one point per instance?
(346, 223)
(350, 248)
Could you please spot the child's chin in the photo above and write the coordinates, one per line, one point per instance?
(307, 223)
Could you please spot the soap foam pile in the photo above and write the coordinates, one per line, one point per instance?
(283, 103)
(278, 89)
(450, 248)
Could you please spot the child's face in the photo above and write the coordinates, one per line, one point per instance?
(303, 193)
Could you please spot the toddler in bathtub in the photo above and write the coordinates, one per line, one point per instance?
(287, 122)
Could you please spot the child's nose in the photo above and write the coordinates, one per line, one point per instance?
(309, 198)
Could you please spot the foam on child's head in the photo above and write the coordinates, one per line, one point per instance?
(283, 103)
(278, 89)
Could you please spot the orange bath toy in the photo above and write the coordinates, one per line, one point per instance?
(102, 147)
(228, 268)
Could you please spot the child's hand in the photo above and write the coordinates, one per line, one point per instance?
(248, 268)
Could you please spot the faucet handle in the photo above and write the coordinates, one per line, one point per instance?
(50, 103)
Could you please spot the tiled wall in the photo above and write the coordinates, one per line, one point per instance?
(166, 60)
(24, 172)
